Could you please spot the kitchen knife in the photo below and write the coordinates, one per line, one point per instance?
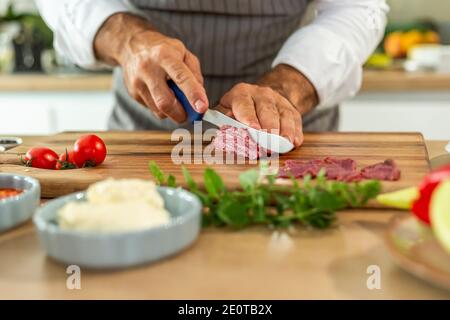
(268, 141)
(7, 143)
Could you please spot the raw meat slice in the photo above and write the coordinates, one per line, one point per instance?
(336, 169)
(386, 170)
(340, 169)
(297, 169)
(238, 141)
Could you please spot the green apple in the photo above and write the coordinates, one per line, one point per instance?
(440, 214)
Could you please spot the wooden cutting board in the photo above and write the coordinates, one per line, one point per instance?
(130, 152)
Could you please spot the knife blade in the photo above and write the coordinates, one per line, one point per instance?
(268, 141)
(7, 143)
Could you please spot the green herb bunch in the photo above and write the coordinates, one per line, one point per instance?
(262, 202)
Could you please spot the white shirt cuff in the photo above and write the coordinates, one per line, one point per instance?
(325, 59)
(76, 35)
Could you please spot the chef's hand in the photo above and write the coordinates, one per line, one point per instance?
(277, 102)
(148, 59)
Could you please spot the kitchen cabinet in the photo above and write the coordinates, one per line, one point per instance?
(46, 112)
(426, 112)
(399, 101)
(46, 104)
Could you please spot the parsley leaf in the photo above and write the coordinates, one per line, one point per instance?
(213, 183)
(171, 181)
(248, 179)
(156, 172)
(262, 201)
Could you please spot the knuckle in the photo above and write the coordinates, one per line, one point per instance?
(194, 60)
(164, 104)
(265, 91)
(180, 76)
(135, 83)
(268, 107)
(159, 52)
(286, 112)
(224, 101)
(143, 64)
(177, 43)
(242, 86)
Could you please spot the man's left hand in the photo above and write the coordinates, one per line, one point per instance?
(276, 102)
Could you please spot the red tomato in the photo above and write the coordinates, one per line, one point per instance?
(42, 157)
(421, 207)
(66, 161)
(89, 151)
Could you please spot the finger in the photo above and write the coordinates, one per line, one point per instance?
(163, 97)
(194, 65)
(287, 122)
(146, 99)
(142, 96)
(243, 109)
(298, 141)
(152, 108)
(226, 111)
(267, 113)
(185, 79)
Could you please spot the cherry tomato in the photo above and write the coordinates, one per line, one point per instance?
(41, 157)
(89, 151)
(65, 161)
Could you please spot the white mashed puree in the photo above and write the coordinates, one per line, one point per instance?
(116, 205)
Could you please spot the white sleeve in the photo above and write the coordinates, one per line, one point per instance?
(331, 50)
(75, 24)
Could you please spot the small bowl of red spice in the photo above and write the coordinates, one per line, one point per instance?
(19, 199)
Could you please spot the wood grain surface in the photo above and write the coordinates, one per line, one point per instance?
(401, 81)
(130, 152)
(373, 80)
(55, 82)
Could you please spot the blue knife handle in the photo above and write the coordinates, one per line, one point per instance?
(191, 113)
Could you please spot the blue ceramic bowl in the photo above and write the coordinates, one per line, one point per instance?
(120, 249)
(18, 209)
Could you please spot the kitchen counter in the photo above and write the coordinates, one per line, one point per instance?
(399, 81)
(390, 81)
(66, 82)
(249, 264)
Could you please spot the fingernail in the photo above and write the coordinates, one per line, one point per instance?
(200, 106)
(297, 141)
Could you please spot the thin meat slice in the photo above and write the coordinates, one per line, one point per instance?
(340, 169)
(297, 169)
(386, 170)
(238, 141)
(353, 177)
(335, 169)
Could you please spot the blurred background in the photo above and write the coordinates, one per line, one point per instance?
(406, 84)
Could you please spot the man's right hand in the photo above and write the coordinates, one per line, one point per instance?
(149, 59)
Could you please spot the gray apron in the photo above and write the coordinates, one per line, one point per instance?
(235, 41)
